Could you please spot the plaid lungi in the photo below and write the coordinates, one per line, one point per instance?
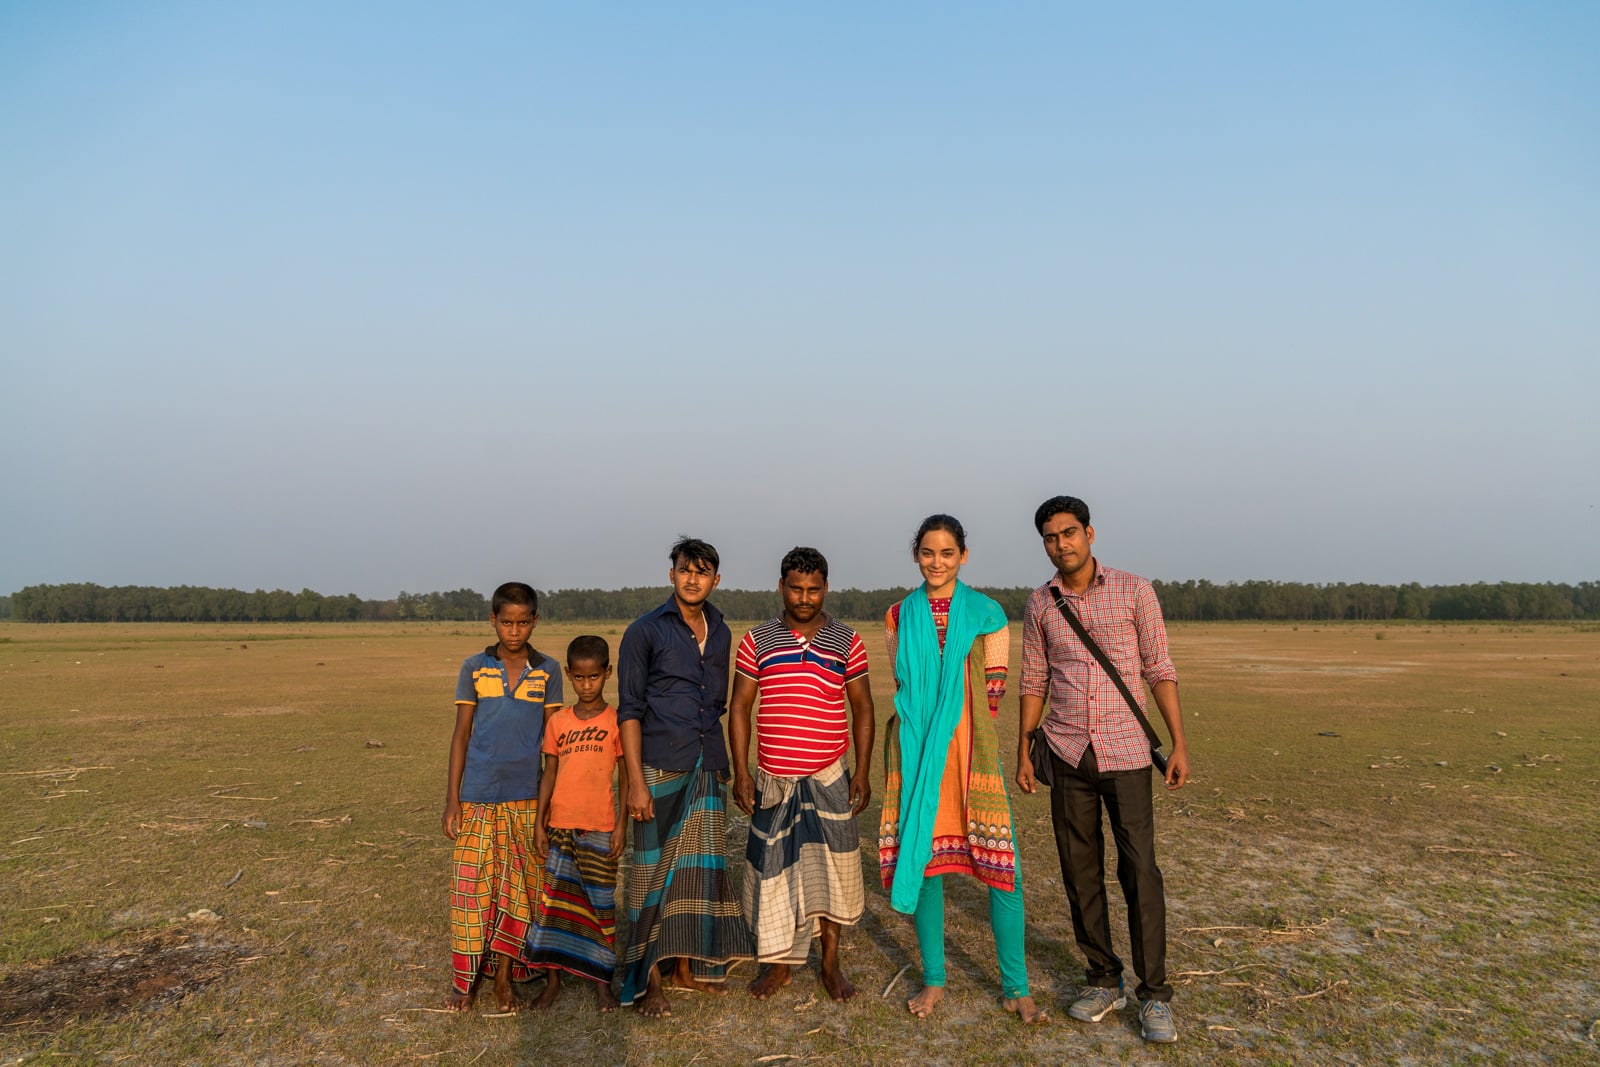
(575, 919)
(680, 900)
(494, 874)
(802, 862)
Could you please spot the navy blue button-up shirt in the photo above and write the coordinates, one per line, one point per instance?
(676, 694)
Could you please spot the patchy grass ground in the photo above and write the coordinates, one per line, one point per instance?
(220, 845)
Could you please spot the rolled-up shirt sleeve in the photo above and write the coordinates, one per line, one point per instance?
(1155, 661)
(1035, 680)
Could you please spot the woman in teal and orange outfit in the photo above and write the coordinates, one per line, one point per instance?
(945, 809)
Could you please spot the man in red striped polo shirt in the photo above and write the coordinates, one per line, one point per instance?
(1100, 755)
(803, 862)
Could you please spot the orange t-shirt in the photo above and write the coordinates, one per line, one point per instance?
(585, 797)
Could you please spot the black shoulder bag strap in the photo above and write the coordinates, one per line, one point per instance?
(1067, 613)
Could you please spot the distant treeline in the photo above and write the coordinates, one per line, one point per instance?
(86, 602)
(1192, 601)
(1509, 601)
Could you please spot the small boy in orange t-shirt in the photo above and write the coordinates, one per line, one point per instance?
(575, 916)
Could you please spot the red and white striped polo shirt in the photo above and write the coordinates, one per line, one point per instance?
(801, 723)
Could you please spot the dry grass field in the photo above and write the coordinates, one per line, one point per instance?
(221, 845)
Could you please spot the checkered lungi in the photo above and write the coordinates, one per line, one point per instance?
(802, 862)
(494, 873)
(679, 898)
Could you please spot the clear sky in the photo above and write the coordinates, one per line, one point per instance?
(365, 297)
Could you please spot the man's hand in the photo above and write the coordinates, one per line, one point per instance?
(1178, 767)
(744, 793)
(860, 792)
(641, 805)
(1031, 713)
(451, 821)
(618, 839)
(541, 841)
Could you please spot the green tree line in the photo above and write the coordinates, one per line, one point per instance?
(86, 602)
(1190, 601)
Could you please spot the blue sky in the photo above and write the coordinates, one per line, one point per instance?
(371, 297)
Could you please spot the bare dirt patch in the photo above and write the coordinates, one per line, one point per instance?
(267, 709)
(156, 968)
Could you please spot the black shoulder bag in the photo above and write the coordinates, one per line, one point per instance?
(1039, 750)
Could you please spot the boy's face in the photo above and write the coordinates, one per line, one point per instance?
(588, 678)
(513, 626)
(692, 582)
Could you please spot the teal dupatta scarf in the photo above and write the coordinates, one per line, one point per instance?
(930, 689)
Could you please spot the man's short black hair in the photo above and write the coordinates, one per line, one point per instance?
(805, 560)
(1055, 506)
(589, 648)
(694, 550)
(519, 593)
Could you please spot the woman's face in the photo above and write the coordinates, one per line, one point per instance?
(940, 560)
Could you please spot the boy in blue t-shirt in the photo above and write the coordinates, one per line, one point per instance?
(491, 799)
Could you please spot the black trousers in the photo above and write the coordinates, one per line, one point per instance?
(1075, 802)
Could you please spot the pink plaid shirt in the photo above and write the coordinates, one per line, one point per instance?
(1121, 613)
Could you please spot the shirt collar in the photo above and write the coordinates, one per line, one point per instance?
(1059, 580)
(713, 616)
(534, 655)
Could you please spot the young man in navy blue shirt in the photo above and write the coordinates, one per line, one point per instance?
(672, 683)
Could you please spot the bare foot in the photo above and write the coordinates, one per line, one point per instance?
(838, 986)
(833, 979)
(504, 998)
(683, 978)
(774, 978)
(653, 1004)
(923, 1003)
(552, 990)
(1025, 1009)
(461, 1001)
(604, 999)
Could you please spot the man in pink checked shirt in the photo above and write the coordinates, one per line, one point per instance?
(1100, 756)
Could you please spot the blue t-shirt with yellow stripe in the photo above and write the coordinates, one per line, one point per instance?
(503, 758)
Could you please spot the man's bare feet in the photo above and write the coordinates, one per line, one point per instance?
(654, 1003)
(461, 1001)
(1025, 1009)
(683, 978)
(552, 990)
(838, 986)
(604, 999)
(833, 979)
(923, 1003)
(770, 980)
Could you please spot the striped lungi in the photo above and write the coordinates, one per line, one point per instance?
(494, 874)
(575, 919)
(802, 862)
(679, 898)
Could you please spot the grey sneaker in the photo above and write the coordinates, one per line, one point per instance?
(1155, 1022)
(1096, 1002)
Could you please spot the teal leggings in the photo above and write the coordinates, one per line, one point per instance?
(1005, 918)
